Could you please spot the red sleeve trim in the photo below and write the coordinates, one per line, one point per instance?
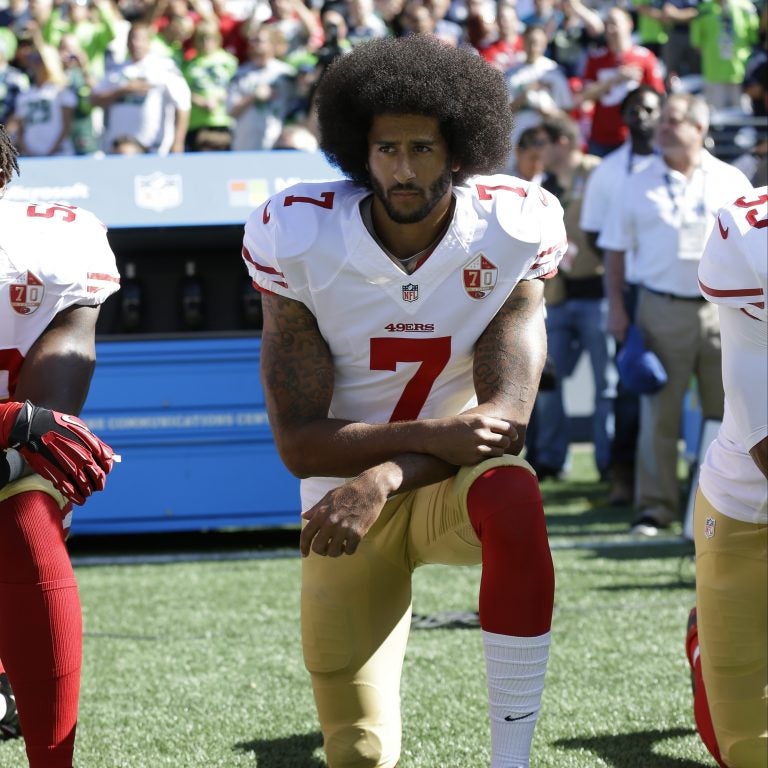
(735, 292)
(260, 267)
(107, 278)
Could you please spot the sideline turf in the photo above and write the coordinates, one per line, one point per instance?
(197, 662)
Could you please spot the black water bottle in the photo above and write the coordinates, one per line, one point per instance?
(192, 299)
(131, 315)
(251, 315)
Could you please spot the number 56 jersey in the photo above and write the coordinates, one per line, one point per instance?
(403, 344)
(51, 257)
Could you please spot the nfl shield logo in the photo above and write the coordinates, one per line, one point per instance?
(479, 276)
(410, 292)
(709, 527)
(27, 293)
(158, 191)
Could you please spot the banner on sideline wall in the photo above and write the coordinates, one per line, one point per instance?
(194, 189)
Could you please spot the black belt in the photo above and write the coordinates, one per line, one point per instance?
(673, 295)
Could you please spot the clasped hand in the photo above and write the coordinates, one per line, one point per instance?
(338, 522)
(57, 446)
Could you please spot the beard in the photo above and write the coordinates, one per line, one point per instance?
(434, 194)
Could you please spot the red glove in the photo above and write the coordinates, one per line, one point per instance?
(57, 446)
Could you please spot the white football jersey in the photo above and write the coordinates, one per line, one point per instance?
(51, 257)
(733, 270)
(734, 274)
(402, 343)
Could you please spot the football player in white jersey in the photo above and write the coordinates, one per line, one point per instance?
(727, 641)
(56, 269)
(402, 348)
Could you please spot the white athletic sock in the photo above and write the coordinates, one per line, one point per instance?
(515, 667)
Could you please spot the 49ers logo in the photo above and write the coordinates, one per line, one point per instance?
(479, 276)
(27, 293)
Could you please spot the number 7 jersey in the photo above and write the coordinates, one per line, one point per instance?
(402, 343)
(51, 257)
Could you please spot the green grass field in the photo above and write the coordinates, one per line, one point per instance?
(194, 659)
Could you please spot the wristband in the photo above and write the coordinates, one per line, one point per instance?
(11, 466)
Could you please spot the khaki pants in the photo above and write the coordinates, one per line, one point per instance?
(356, 615)
(686, 337)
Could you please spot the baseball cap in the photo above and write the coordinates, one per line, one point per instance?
(640, 369)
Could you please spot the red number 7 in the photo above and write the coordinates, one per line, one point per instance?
(433, 354)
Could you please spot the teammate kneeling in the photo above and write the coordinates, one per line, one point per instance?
(727, 639)
(56, 269)
(402, 348)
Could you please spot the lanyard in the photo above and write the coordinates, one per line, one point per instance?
(673, 190)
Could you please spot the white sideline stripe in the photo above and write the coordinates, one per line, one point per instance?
(84, 561)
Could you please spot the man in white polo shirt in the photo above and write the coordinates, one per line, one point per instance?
(664, 216)
(640, 112)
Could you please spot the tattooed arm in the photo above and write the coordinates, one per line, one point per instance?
(392, 458)
(298, 376)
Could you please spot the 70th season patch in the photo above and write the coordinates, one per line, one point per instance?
(27, 292)
(479, 276)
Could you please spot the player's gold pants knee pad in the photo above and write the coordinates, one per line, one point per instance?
(355, 620)
(467, 475)
(356, 615)
(732, 608)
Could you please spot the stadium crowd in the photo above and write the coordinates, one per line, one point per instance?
(128, 76)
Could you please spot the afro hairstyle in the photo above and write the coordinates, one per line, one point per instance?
(414, 75)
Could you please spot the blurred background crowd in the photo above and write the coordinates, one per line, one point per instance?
(133, 76)
(589, 82)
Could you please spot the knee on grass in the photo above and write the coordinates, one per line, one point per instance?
(355, 747)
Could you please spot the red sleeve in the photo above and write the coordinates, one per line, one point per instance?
(590, 70)
(653, 76)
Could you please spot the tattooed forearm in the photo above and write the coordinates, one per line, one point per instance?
(510, 354)
(296, 364)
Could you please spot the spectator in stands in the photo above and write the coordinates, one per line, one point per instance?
(146, 97)
(755, 87)
(390, 12)
(664, 215)
(576, 312)
(537, 86)
(649, 32)
(609, 74)
(175, 39)
(640, 112)
(15, 16)
(497, 38)
(299, 27)
(42, 120)
(230, 28)
(93, 23)
(335, 41)
(416, 19)
(673, 18)
(446, 29)
(12, 80)
(208, 75)
(261, 93)
(577, 33)
(547, 15)
(724, 31)
(529, 155)
(87, 121)
(363, 22)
